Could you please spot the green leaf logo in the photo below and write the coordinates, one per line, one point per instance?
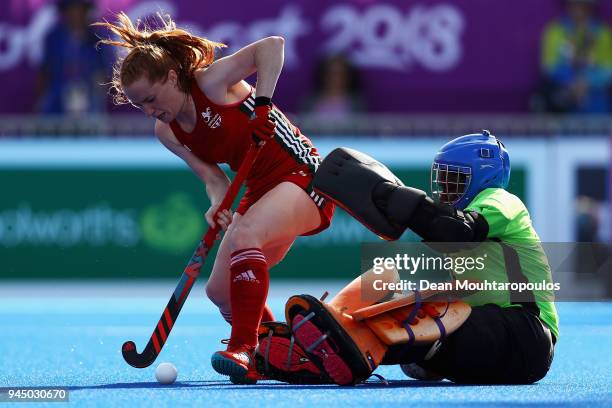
(174, 225)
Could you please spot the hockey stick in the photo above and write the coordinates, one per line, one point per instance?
(190, 274)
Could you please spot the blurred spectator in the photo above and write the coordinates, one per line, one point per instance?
(337, 89)
(72, 69)
(587, 219)
(576, 52)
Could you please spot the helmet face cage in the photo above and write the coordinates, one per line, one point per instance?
(449, 182)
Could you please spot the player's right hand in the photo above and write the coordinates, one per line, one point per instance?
(221, 218)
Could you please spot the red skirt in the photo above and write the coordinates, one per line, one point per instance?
(301, 178)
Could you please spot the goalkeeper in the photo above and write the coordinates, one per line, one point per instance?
(508, 337)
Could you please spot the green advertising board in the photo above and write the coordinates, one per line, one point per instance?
(144, 222)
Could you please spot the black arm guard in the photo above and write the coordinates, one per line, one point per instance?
(348, 177)
(372, 194)
(432, 221)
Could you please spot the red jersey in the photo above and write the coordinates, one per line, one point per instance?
(220, 136)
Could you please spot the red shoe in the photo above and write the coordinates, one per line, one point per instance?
(250, 378)
(236, 361)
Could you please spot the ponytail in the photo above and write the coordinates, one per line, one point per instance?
(154, 52)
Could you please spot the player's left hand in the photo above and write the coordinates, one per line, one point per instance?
(262, 126)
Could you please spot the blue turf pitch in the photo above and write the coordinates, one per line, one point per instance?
(70, 336)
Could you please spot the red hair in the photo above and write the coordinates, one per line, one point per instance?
(154, 52)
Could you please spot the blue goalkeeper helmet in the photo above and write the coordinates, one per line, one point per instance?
(467, 165)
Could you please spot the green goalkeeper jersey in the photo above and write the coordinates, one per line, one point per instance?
(515, 249)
